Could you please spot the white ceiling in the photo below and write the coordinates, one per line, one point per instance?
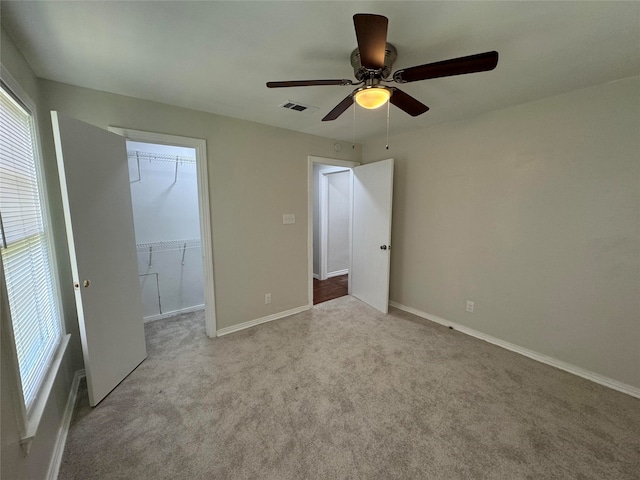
(217, 56)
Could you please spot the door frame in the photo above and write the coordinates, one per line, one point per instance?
(323, 224)
(311, 160)
(200, 146)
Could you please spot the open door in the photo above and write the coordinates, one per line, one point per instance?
(94, 180)
(371, 237)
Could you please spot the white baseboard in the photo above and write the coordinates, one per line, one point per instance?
(316, 276)
(337, 273)
(567, 367)
(160, 316)
(258, 321)
(61, 440)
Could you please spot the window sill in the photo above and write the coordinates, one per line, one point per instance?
(33, 420)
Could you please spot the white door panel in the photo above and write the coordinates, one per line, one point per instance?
(94, 180)
(372, 199)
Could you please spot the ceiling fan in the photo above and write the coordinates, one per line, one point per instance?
(372, 62)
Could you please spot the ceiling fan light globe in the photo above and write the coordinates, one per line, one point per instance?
(372, 97)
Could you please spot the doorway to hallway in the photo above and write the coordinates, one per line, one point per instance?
(331, 231)
(369, 242)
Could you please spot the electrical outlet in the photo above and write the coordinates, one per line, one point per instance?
(470, 306)
(267, 298)
(288, 218)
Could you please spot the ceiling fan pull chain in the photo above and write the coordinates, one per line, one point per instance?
(387, 145)
(353, 142)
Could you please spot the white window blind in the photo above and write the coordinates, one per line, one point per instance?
(25, 251)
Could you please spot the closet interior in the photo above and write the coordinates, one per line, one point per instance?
(164, 194)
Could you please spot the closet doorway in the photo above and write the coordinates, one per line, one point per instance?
(164, 196)
(172, 228)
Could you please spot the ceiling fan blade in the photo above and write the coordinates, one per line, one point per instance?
(339, 109)
(371, 32)
(480, 62)
(308, 83)
(406, 102)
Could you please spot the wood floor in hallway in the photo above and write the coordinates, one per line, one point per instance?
(330, 288)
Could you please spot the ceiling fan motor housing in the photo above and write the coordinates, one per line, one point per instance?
(364, 73)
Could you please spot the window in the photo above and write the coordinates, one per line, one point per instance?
(26, 255)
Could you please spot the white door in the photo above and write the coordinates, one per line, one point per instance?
(94, 180)
(371, 237)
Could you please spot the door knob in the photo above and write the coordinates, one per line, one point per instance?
(383, 247)
(86, 283)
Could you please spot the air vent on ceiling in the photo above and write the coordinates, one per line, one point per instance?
(298, 107)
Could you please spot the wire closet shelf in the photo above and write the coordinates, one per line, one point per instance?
(166, 246)
(177, 160)
(160, 157)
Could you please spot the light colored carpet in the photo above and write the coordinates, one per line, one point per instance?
(340, 392)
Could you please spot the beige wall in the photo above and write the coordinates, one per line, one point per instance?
(256, 173)
(533, 213)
